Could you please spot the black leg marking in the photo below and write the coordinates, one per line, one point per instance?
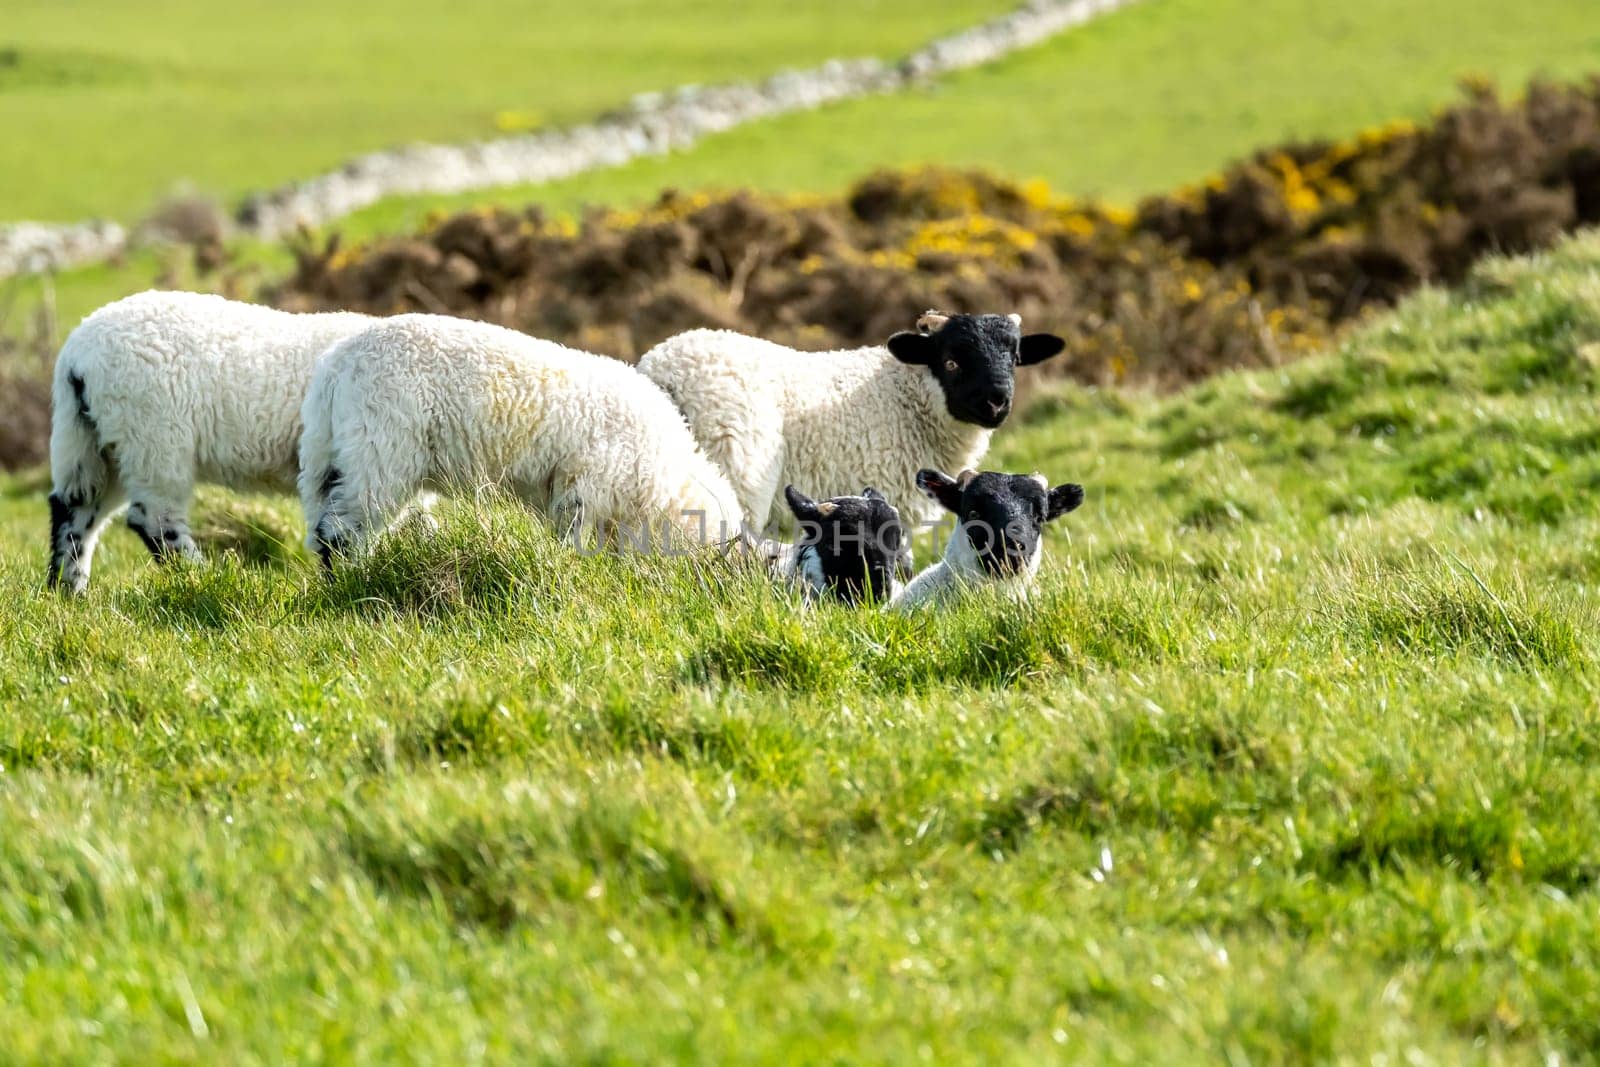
(60, 516)
(138, 525)
(329, 545)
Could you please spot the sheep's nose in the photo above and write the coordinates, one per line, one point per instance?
(999, 408)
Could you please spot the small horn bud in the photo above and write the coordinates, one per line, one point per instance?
(932, 321)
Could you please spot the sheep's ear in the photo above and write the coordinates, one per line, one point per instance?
(1038, 347)
(941, 487)
(803, 507)
(872, 494)
(1063, 498)
(914, 348)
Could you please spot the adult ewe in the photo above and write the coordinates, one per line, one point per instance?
(427, 401)
(160, 390)
(998, 539)
(770, 415)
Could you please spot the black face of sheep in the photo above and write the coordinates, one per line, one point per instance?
(975, 359)
(854, 546)
(1002, 515)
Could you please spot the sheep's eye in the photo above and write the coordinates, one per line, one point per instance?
(951, 366)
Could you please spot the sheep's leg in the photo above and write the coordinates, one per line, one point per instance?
(161, 519)
(566, 517)
(77, 519)
(357, 510)
(419, 514)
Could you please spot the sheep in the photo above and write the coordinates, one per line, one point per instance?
(853, 547)
(429, 401)
(770, 415)
(160, 390)
(996, 542)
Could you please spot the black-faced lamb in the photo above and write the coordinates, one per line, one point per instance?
(998, 538)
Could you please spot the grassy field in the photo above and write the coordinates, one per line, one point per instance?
(107, 106)
(1138, 102)
(1296, 756)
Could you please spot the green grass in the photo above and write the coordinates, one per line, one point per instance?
(108, 106)
(1296, 756)
(1136, 103)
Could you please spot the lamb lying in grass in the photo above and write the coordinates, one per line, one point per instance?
(427, 401)
(159, 391)
(853, 547)
(998, 537)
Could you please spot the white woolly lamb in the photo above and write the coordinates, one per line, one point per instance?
(160, 390)
(1000, 522)
(426, 401)
(831, 421)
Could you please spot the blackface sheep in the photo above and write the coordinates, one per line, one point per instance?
(830, 421)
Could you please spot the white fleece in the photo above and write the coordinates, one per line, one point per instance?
(427, 401)
(160, 390)
(831, 422)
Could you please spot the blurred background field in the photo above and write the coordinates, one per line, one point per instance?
(108, 106)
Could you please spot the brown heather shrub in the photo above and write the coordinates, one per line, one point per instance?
(24, 394)
(1351, 223)
(816, 274)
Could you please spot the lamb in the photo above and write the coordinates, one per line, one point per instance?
(160, 390)
(429, 401)
(853, 547)
(996, 542)
(769, 415)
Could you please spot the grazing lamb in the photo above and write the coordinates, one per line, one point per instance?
(160, 390)
(426, 401)
(769, 415)
(851, 546)
(1000, 522)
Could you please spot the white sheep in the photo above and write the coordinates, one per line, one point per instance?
(427, 401)
(770, 415)
(997, 541)
(160, 390)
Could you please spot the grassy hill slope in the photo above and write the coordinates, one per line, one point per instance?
(1138, 102)
(1295, 756)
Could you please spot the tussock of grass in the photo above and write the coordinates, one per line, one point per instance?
(495, 856)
